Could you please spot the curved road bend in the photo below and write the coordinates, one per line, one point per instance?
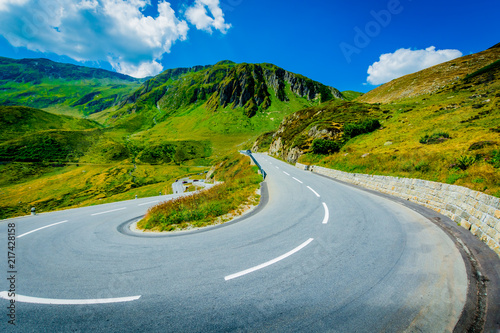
(319, 257)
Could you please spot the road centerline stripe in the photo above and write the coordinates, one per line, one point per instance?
(47, 226)
(327, 214)
(38, 300)
(297, 180)
(286, 173)
(270, 262)
(313, 191)
(109, 211)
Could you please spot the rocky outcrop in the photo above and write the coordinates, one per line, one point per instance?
(248, 85)
(290, 155)
(226, 84)
(296, 133)
(278, 78)
(291, 149)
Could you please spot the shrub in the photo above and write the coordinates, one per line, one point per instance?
(464, 162)
(360, 127)
(422, 166)
(495, 159)
(299, 140)
(434, 138)
(324, 147)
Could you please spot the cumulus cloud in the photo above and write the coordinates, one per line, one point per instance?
(406, 61)
(198, 16)
(116, 31)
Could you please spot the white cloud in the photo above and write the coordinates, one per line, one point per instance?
(117, 31)
(406, 61)
(198, 16)
(142, 70)
(4, 4)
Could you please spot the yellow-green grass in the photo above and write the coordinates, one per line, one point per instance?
(227, 129)
(239, 182)
(83, 185)
(431, 79)
(467, 116)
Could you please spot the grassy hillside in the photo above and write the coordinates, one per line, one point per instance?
(450, 135)
(227, 105)
(62, 88)
(142, 137)
(40, 151)
(350, 95)
(431, 79)
(17, 121)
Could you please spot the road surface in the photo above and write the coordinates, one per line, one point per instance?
(320, 256)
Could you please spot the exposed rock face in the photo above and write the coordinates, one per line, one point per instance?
(255, 147)
(226, 84)
(290, 155)
(247, 85)
(276, 147)
(296, 132)
(291, 150)
(293, 154)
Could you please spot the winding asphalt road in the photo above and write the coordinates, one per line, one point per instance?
(320, 256)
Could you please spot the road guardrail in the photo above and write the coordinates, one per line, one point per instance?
(249, 153)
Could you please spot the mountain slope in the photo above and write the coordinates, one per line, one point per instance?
(431, 79)
(36, 70)
(247, 86)
(17, 121)
(42, 83)
(148, 133)
(450, 134)
(226, 104)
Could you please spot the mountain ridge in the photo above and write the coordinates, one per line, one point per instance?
(43, 83)
(26, 70)
(431, 79)
(227, 84)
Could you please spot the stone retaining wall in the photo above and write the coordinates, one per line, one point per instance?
(475, 211)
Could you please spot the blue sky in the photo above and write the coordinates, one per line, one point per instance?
(335, 42)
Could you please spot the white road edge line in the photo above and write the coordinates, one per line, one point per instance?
(286, 173)
(268, 263)
(37, 300)
(147, 203)
(327, 214)
(50, 225)
(108, 211)
(313, 191)
(297, 180)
